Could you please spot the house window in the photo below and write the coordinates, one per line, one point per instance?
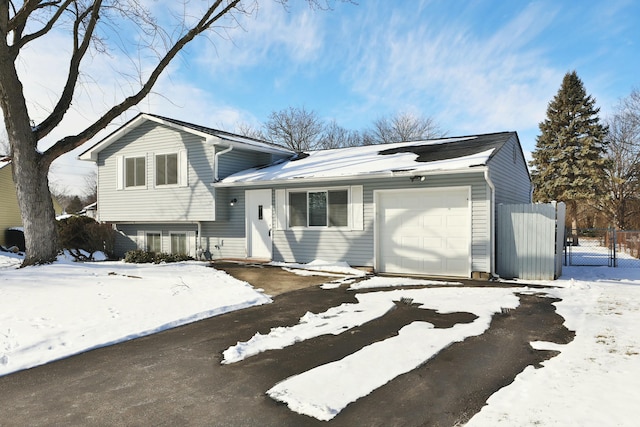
(318, 208)
(154, 242)
(166, 169)
(135, 172)
(179, 243)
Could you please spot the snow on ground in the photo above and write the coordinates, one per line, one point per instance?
(324, 391)
(319, 266)
(389, 282)
(53, 311)
(594, 379)
(50, 312)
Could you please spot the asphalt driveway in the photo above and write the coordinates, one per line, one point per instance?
(175, 377)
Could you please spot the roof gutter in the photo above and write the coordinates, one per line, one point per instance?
(216, 162)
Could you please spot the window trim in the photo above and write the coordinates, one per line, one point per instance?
(124, 172)
(185, 234)
(326, 190)
(155, 169)
(146, 240)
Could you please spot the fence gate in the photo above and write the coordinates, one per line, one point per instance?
(590, 247)
(529, 241)
(602, 246)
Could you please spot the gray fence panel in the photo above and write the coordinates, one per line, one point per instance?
(561, 211)
(526, 241)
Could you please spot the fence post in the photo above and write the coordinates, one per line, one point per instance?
(615, 245)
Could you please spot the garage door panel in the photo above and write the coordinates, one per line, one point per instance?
(424, 232)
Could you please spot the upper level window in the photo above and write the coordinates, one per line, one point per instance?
(166, 169)
(135, 172)
(319, 208)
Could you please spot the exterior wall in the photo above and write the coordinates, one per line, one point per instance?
(509, 174)
(166, 203)
(356, 247)
(9, 211)
(220, 239)
(126, 236)
(237, 160)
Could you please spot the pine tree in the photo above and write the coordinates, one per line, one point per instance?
(569, 159)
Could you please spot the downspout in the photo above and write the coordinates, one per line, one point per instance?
(199, 251)
(216, 176)
(492, 213)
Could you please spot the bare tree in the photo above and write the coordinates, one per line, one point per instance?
(335, 136)
(403, 127)
(295, 128)
(87, 23)
(249, 131)
(90, 189)
(621, 203)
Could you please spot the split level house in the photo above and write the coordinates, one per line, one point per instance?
(420, 207)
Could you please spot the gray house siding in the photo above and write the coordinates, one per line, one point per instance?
(509, 174)
(356, 247)
(192, 202)
(237, 160)
(126, 235)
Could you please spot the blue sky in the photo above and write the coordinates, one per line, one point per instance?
(474, 66)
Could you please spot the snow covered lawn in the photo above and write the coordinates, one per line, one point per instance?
(54, 311)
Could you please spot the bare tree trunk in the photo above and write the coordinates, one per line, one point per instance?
(30, 169)
(36, 206)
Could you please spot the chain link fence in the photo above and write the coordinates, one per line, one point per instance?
(602, 246)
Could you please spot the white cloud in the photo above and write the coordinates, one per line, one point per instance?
(472, 83)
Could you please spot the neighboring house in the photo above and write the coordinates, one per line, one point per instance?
(422, 207)
(9, 211)
(91, 210)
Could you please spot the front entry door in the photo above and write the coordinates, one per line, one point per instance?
(259, 218)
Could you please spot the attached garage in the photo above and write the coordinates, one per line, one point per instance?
(424, 231)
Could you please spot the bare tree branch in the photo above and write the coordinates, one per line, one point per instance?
(70, 142)
(81, 43)
(20, 41)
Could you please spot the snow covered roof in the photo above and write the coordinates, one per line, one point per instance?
(225, 138)
(4, 161)
(406, 158)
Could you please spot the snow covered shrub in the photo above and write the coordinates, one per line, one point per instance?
(140, 257)
(83, 236)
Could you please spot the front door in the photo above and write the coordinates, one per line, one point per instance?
(259, 219)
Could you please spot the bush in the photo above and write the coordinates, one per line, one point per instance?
(82, 235)
(139, 256)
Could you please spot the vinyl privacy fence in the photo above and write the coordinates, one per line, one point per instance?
(529, 240)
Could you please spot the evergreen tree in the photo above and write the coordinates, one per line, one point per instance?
(569, 160)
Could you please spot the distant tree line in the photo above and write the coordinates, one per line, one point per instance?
(592, 166)
(302, 130)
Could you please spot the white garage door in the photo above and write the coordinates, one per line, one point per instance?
(424, 232)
